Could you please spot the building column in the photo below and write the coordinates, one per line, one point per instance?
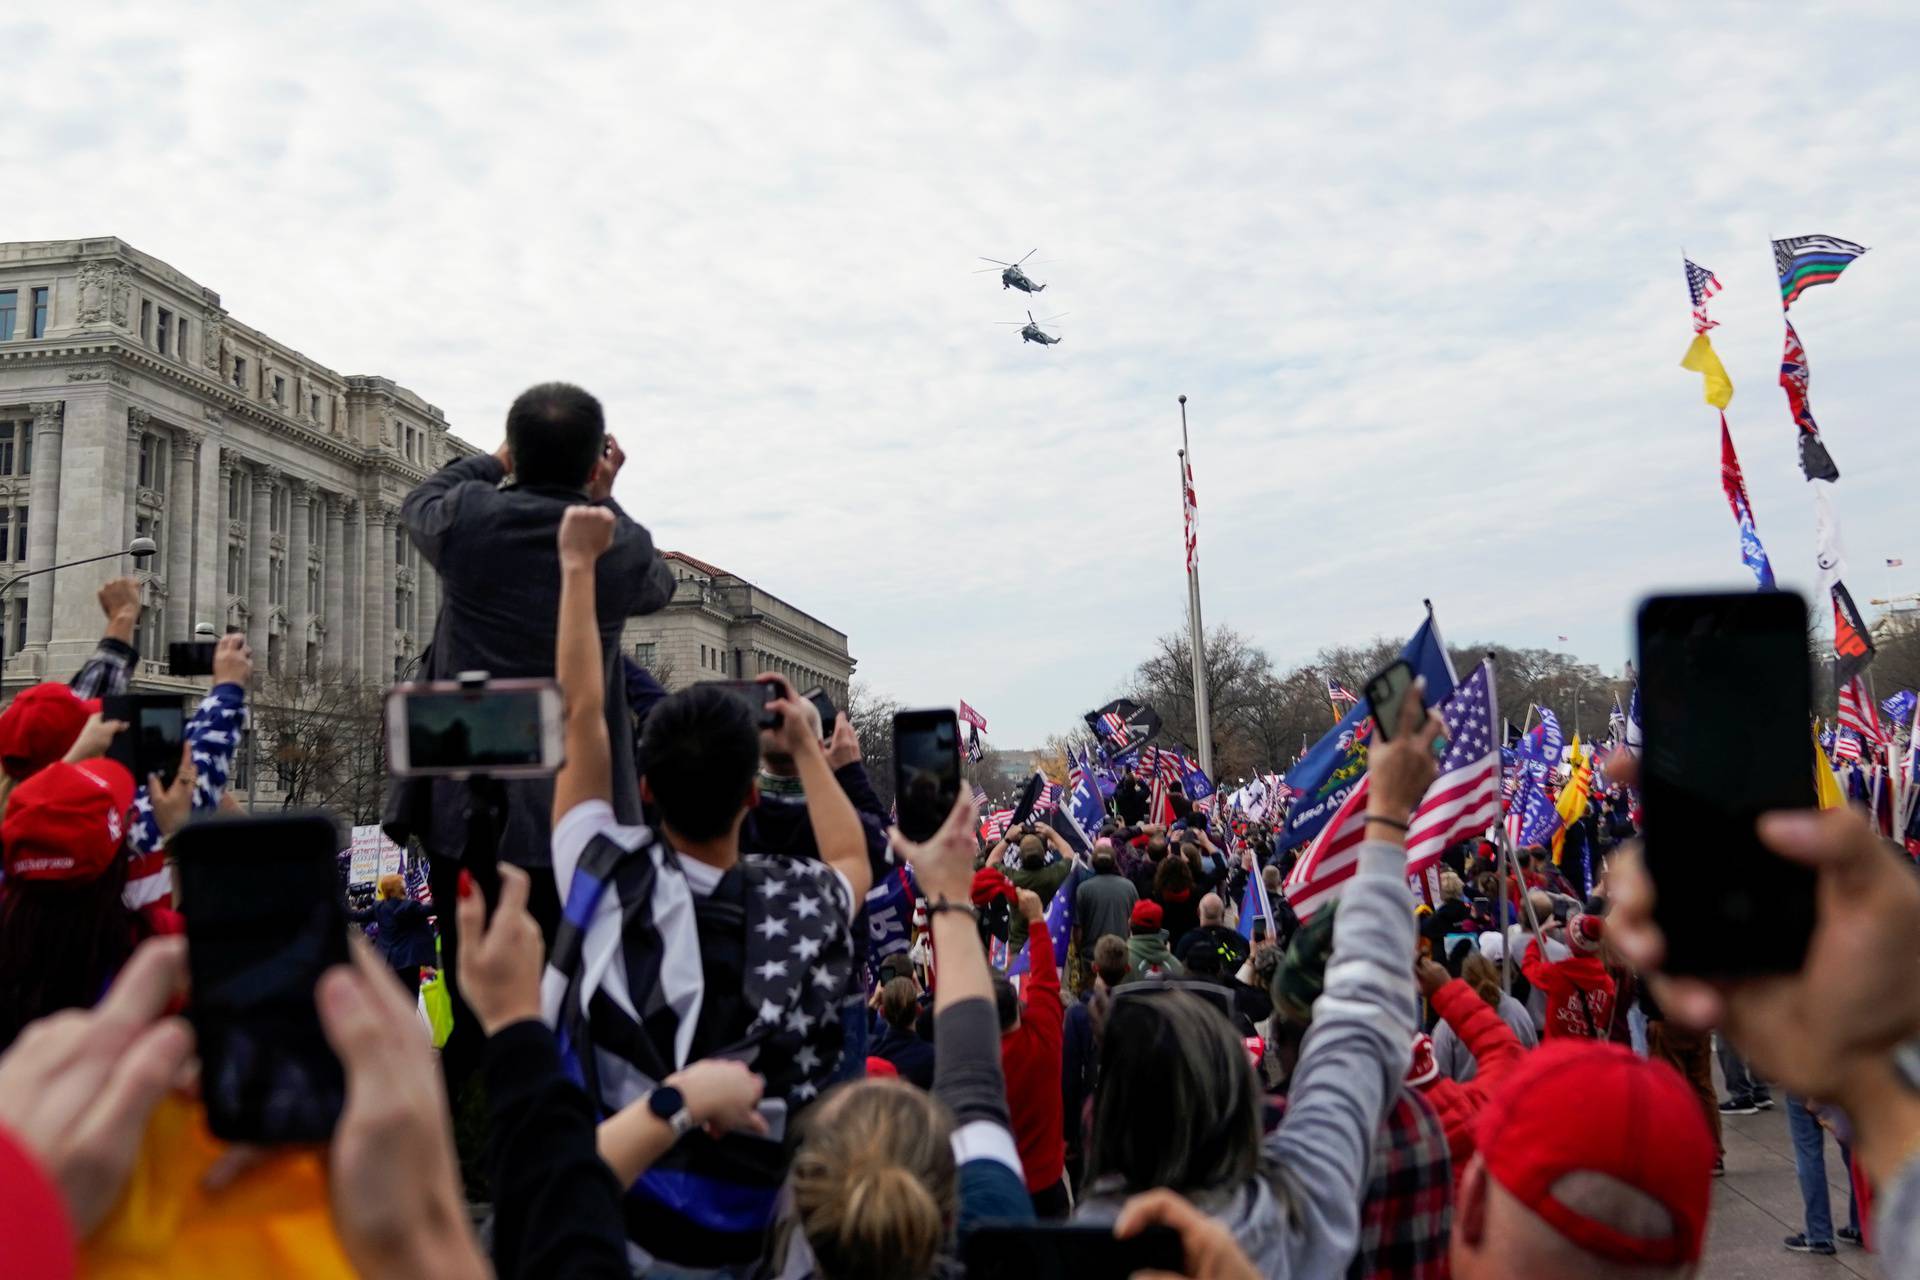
(91, 516)
(259, 563)
(209, 525)
(299, 539)
(333, 582)
(182, 484)
(44, 495)
(353, 573)
(426, 600)
(377, 597)
(136, 428)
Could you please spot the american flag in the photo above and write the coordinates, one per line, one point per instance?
(1187, 508)
(1048, 800)
(1857, 711)
(996, 824)
(1339, 695)
(1169, 765)
(1894, 562)
(1845, 746)
(1462, 801)
(1115, 725)
(1701, 285)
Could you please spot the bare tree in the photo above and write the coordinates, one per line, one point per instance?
(871, 715)
(323, 737)
(1236, 671)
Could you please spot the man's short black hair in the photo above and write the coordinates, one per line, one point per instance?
(556, 433)
(702, 750)
(1006, 1002)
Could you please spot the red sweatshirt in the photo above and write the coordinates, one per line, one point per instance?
(1030, 1057)
(1563, 983)
(1492, 1044)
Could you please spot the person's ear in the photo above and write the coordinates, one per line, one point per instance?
(1470, 1205)
(753, 794)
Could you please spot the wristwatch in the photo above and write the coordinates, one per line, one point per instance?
(667, 1103)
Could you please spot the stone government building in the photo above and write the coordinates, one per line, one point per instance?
(132, 404)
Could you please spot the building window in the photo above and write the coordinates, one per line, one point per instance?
(276, 581)
(279, 390)
(703, 657)
(316, 524)
(146, 321)
(166, 331)
(146, 629)
(273, 655)
(400, 545)
(39, 313)
(238, 500)
(313, 407)
(145, 527)
(236, 567)
(313, 661)
(6, 534)
(242, 775)
(400, 612)
(644, 652)
(19, 607)
(12, 462)
(180, 339)
(150, 469)
(9, 303)
(313, 591)
(240, 372)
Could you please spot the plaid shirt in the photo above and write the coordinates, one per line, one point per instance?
(107, 671)
(1407, 1215)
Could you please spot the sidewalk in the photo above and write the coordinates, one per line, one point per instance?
(1757, 1205)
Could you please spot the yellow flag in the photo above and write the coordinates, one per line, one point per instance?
(1572, 804)
(1701, 359)
(1825, 785)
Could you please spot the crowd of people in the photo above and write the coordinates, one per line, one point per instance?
(679, 1047)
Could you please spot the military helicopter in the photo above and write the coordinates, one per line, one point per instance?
(1032, 332)
(1013, 277)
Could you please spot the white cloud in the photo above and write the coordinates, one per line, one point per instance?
(1418, 274)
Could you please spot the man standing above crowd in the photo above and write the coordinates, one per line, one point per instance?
(488, 524)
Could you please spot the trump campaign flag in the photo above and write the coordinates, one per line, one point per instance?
(1059, 920)
(1333, 767)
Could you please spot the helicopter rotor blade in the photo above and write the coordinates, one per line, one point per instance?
(1004, 264)
(1030, 253)
(1051, 319)
(983, 270)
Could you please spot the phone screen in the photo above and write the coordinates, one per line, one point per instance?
(756, 694)
(1063, 1251)
(264, 921)
(474, 729)
(151, 741)
(190, 657)
(824, 705)
(1725, 700)
(1385, 694)
(926, 770)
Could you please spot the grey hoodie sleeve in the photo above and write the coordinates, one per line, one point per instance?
(1896, 1222)
(1351, 1063)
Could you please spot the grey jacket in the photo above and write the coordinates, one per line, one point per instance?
(499, 563)
(1300, 1217)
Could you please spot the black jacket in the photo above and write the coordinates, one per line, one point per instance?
(498, 557)
(405, 938)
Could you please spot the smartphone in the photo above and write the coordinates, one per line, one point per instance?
(926, 770)
(756, 694)
(1385, 694)
(500, 728)
(151, 741)
(190, 657)
(1063, 1251)
(264, 921)
(824, 705)
(1725, 704)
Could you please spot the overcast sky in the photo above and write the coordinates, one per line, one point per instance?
(1418, 272)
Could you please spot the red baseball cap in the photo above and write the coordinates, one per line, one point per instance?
(66, 822)
(40, 726)
(1642, 1126)
(1146, 915)
(990, 883)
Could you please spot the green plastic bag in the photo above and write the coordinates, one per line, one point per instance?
(439, 1006)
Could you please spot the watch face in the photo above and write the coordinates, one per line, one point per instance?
(666, 1102)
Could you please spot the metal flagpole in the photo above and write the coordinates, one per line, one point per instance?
(1202, 711)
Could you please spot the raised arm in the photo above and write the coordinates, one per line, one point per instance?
(434, 505)
(111, 665)
(836, 826)
(585, 533)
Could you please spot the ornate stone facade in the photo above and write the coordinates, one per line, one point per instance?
(145, 409)
(718, 626)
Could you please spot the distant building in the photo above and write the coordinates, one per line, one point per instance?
(133, 405)
(719, 626)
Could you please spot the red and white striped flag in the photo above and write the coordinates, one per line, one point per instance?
(1845, 746)
(1187, 506)
(1462, 801)
(1858, 713)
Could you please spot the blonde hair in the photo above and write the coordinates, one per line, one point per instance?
(875, 1189)
(1450, 886)
(1483, 978)
(392, 886)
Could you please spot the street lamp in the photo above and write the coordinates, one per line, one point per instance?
(140, 549)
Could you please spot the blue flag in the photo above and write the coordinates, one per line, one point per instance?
(1899, 707)
(1333, 767)
(1059, 920)
(1254, 905)
(889, 915)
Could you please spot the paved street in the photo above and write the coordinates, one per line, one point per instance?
(1757, 1205)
